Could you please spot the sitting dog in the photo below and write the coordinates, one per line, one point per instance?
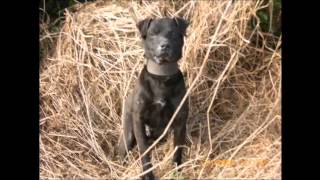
(158, 91)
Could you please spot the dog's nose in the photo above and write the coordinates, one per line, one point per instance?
(164, 46)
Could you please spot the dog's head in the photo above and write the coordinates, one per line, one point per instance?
(163, 38)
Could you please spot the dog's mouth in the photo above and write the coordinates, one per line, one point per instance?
(160, 59)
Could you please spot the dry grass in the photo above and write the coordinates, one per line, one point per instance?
(233, 78)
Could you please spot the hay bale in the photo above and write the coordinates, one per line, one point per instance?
(233, 76)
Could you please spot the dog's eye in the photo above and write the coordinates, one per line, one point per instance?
(154, 32)
(174, 35)
(171, 34)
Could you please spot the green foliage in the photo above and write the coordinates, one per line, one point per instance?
(54, 8)
(177, 175)
(264, 16)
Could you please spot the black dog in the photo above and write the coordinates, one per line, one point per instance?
(159, 90)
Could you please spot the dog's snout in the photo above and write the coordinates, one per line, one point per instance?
(164, 46)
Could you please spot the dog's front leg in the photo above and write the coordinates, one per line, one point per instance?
(141, 138)
(179, 140)
(179, 131)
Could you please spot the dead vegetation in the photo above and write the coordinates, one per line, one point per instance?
(233, 73)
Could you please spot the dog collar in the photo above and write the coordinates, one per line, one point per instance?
(165, 69)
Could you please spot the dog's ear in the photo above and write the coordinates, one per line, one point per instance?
(143, 26)
(182, 24)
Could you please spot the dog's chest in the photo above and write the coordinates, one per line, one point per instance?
(157, 117)
(161, 102)
(158, 113)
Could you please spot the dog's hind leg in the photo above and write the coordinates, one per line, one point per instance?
(127, 139)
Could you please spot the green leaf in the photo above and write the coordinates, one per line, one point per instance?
(263, 17)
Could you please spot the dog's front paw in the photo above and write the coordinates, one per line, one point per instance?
(177, 159)
(122, 151)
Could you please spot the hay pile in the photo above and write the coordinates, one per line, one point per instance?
(232, 73)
